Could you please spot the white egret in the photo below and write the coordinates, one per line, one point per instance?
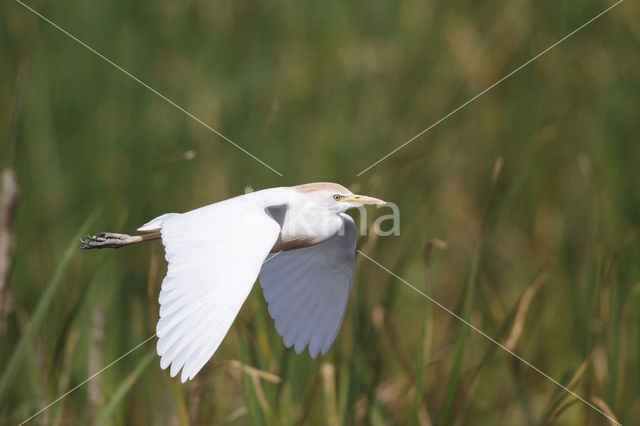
(298, 240)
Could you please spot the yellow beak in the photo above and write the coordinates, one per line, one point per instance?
(364, 200)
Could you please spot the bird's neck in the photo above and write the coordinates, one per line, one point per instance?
(306, 224)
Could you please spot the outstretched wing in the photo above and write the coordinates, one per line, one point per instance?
(214, 255)
(307, 289)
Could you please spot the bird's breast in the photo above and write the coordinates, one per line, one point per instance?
(293, 242)
(304, 228)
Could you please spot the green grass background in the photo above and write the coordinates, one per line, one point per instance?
(319, 91)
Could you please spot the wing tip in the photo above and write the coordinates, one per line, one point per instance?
(174, 368)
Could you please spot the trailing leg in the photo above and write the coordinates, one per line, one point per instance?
(113, 240)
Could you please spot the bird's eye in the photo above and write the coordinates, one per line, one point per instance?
(337, 197)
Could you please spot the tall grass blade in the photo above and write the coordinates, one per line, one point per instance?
(125, 386)
(182, 413)
(328, 372)
(250, 392)
(39, 313)
(452, 384)
(420, 370)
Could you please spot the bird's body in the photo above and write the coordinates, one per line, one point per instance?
(297, 239)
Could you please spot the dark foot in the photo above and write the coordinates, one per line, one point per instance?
(104, 240)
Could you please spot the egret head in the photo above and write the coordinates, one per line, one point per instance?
(334, 197)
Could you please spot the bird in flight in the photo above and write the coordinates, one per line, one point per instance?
(298, 240)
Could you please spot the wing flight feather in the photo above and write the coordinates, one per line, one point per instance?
(215, 254)
(307, 290)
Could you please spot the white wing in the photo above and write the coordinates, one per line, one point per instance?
(308, 288)
(214, 255)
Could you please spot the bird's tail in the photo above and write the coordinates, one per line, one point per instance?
(155, 224)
